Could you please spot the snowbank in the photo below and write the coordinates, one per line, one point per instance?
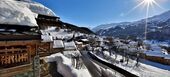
(21, 12)
(64, 66)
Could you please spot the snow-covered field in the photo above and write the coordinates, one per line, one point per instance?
(143, 70)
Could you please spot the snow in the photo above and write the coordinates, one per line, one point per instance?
(71, 53)
(64, 66)
(143, 70)
(40, 9)
(85, 40)
(46, 38)
(61, 34)
(21, 12)
(12, 12)
(154, 42)
(108, 73)
(78, 43)
(108, 26)
(156, 50)
(58, 44)
(161, 18)
(155, 65)
(155, 20)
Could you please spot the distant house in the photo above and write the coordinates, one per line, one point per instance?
(58, 46)
(79, 44)
(84, 41)
(70, 46)
(99, 41)
(157, 57)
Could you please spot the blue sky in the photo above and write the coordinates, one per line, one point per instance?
(91, 13)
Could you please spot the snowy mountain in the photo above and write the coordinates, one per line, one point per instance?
(158, 28)
(112, 25)
(22, 12)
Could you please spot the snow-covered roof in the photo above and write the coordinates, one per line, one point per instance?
(46, 38)
(61, 34)
(40, 9)
(85, 40)
(58, 44)
(21, 12)
(99, 39)
(70, 45)
(78, 42)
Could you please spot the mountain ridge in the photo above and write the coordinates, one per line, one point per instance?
(158, 24)
(161, 17)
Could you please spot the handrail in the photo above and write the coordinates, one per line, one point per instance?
(118, 69)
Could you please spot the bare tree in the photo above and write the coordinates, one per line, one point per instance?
(110, 44)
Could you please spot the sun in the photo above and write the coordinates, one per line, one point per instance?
(149, 1)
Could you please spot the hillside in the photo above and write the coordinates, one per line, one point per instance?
(158, 28)
(78, 29)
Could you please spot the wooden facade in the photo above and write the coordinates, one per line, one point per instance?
(14, 53)
(19, 48)
(16, 56)
(157, 59)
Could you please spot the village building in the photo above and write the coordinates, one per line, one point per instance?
(18, 47)
(157, 57)
(20, 44)
(79, 45)
(70, 46)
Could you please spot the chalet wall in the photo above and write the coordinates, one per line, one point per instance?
(158, 59)
(16, 56)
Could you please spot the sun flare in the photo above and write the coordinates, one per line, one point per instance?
(147, 4)
(149, 1)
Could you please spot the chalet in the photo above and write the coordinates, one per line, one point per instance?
(49, 44)
(18, 47)
(58, 46)
(20, 44)
(84, 41)
(157, 57)
(99, 41)
(79, 44)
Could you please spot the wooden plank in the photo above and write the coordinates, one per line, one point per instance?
(10, 50)
(26, 42)
(19, 37)
(15, 70)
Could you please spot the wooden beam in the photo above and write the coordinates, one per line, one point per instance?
(8, 72)
(24, 42)
(19, 37)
